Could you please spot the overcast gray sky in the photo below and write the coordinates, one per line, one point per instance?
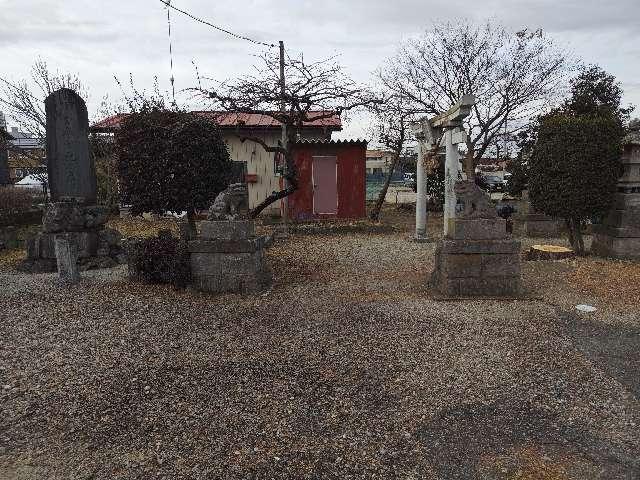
(98, 39)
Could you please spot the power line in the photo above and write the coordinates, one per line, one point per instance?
(172, 79)
(235, 35)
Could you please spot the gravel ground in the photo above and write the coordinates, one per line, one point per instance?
(346, 368)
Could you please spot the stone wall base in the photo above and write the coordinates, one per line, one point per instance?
(619, 234)
(221, 266)
(605, 245)
(477, 268)
(543, 226)
(96, 249)
(43, 244)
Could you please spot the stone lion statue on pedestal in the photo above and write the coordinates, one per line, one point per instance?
(230, 204)
(477, 204)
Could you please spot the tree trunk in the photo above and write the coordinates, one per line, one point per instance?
(291, 177)
(578, 237)
(575, 235)
(375, 212)
(569, 225)
(191, 222)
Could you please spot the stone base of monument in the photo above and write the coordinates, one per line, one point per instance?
(228, 257)
(67, 259)
(488, 268)
(619, 234)
(542, 226)
(97, 246)
(43, 244)
(477, 258)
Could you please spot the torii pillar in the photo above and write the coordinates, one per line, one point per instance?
(451, 123)
(428, 140)
(446, 129)
(476, 256)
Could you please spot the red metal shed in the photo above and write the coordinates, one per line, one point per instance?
(332, 180)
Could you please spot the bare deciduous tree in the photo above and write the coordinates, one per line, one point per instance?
(392, 123)
(314, 92)
(24, 103)
(24, 100)
(514, 77)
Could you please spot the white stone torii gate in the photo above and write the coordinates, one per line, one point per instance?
(442, 130)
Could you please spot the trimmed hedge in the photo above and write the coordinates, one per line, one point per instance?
(574, 169)
(163, 259)
(575, 165)
(170, 161)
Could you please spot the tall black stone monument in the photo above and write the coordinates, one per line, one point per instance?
(72, 213)
(70, 169)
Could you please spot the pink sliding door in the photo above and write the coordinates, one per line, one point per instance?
(325, 186)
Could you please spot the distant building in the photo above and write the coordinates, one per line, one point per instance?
(261, 168)
(491, 164)
(25, 141)
(378, 162)
(26, 155)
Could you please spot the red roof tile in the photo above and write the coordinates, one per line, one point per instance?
(231, 120)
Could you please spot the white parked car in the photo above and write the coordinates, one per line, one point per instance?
(409, 179)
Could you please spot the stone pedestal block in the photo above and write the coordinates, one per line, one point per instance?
(72, 216)
(619, 234)
(542, 226)
(226, 229)
(478, 268)
(43, 245)
(67, 258)
(229, 258)
(480, 229)
(97, 246)
(476, 258)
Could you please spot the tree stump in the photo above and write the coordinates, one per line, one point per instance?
(549, 252)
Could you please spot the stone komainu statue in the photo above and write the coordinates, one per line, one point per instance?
(476, 203)
(230, 204)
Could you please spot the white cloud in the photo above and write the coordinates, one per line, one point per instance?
(100, 39)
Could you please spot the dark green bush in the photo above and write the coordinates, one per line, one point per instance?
(170, 161)
(574, 168)
(161, 259)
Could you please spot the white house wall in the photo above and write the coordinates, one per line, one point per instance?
(260, 163)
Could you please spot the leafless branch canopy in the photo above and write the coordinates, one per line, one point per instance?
(313, 92)
(24, 100)
(24, 103)
(514, 76)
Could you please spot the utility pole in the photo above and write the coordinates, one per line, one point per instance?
(283, 109)
(421, 189)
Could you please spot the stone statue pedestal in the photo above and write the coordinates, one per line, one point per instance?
(228, 257)
(477, 257)
(83, 226)
(539, 225)
(542, 226)
(619, 234)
